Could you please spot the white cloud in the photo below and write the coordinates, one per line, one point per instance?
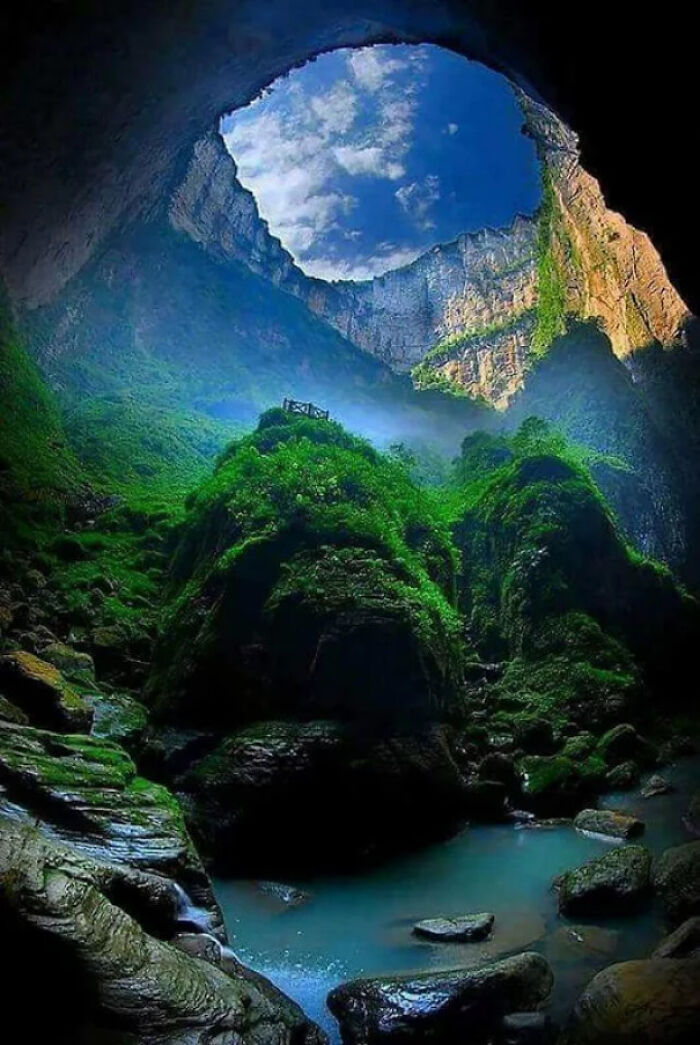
(451, 128)
(385, 258)
(295, 146)
(372, 68)
(337, 109)
(417, 198)
(368, 159)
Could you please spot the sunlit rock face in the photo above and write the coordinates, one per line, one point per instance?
(482, 280)
(612, 271)
(470, 314)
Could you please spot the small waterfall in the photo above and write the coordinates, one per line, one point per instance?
(188, 914)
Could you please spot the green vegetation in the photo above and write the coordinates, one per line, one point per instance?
(549, 586)
(145, 451)
(305, 532)
(426, 375)
(553, 245)
(38, 470)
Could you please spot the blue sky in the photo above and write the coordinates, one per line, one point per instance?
(364, 158)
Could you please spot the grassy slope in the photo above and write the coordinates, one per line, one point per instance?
(155, 334)
(39, 472)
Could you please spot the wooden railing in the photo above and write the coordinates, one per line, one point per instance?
(293, 406)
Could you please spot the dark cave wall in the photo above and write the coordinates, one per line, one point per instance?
(102, 99)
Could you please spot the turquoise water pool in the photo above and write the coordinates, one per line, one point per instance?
(360, 924)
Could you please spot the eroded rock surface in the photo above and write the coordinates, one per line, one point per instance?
(608, 822)
(616, 883)
(446, 1007)
(655, 1001)
(118, 978)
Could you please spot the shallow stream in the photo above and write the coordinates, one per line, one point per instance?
(360, 925)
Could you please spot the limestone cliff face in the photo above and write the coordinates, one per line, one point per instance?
(611, 271)
(470, 315)
(482, 282)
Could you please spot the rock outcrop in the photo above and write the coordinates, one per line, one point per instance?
(443, 1007)
(677, 881)
(471, 314)
(639, 1001)
(116, 978)
(616, 883)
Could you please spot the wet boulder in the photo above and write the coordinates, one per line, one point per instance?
(656, 785)
(616, 883)
(608, 822)
(677, 881)
(683, 942)
(460, 929)
(443, 1007)
(87, 792)
(654, 1002)
(118, 717)
(319, 793)
(42, 693)
(623, 777)
(622, 743)
(109, 971)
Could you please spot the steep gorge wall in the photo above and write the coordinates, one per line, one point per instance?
(472, 314)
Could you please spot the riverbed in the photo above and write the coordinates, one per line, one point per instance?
(318, 932)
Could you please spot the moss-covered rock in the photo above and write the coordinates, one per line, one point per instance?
(73, 663)
(9, 712)
(623, 777)
(88, 792)
(677, 881)
(40, 690)
(549, 585)
(115, 980)
(118, 717)
(608, 822)
(313, 578)
(623, 742)
(616, 883)
(656, 1000)
(281, 794)
(555, 785)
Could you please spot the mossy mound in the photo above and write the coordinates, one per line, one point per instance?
(312, 578)
(40, 690)
(549, 585)
(87, 791)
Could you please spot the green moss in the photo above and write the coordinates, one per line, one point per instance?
(303, 523)
(38, 470)
(553, 245)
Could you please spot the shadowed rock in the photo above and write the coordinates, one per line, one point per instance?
(446, 1007)
(616, 883)
(684, 942)
(655, 1001)
(123, 977)
(677, 881)
(461, 929)
(608, 822)
(40, 690)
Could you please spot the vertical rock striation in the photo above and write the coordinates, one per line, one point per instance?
(470, 315)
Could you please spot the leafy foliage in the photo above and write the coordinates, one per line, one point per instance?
(303, 524)
(38, 470)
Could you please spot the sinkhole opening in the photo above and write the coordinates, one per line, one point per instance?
(364, 158)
